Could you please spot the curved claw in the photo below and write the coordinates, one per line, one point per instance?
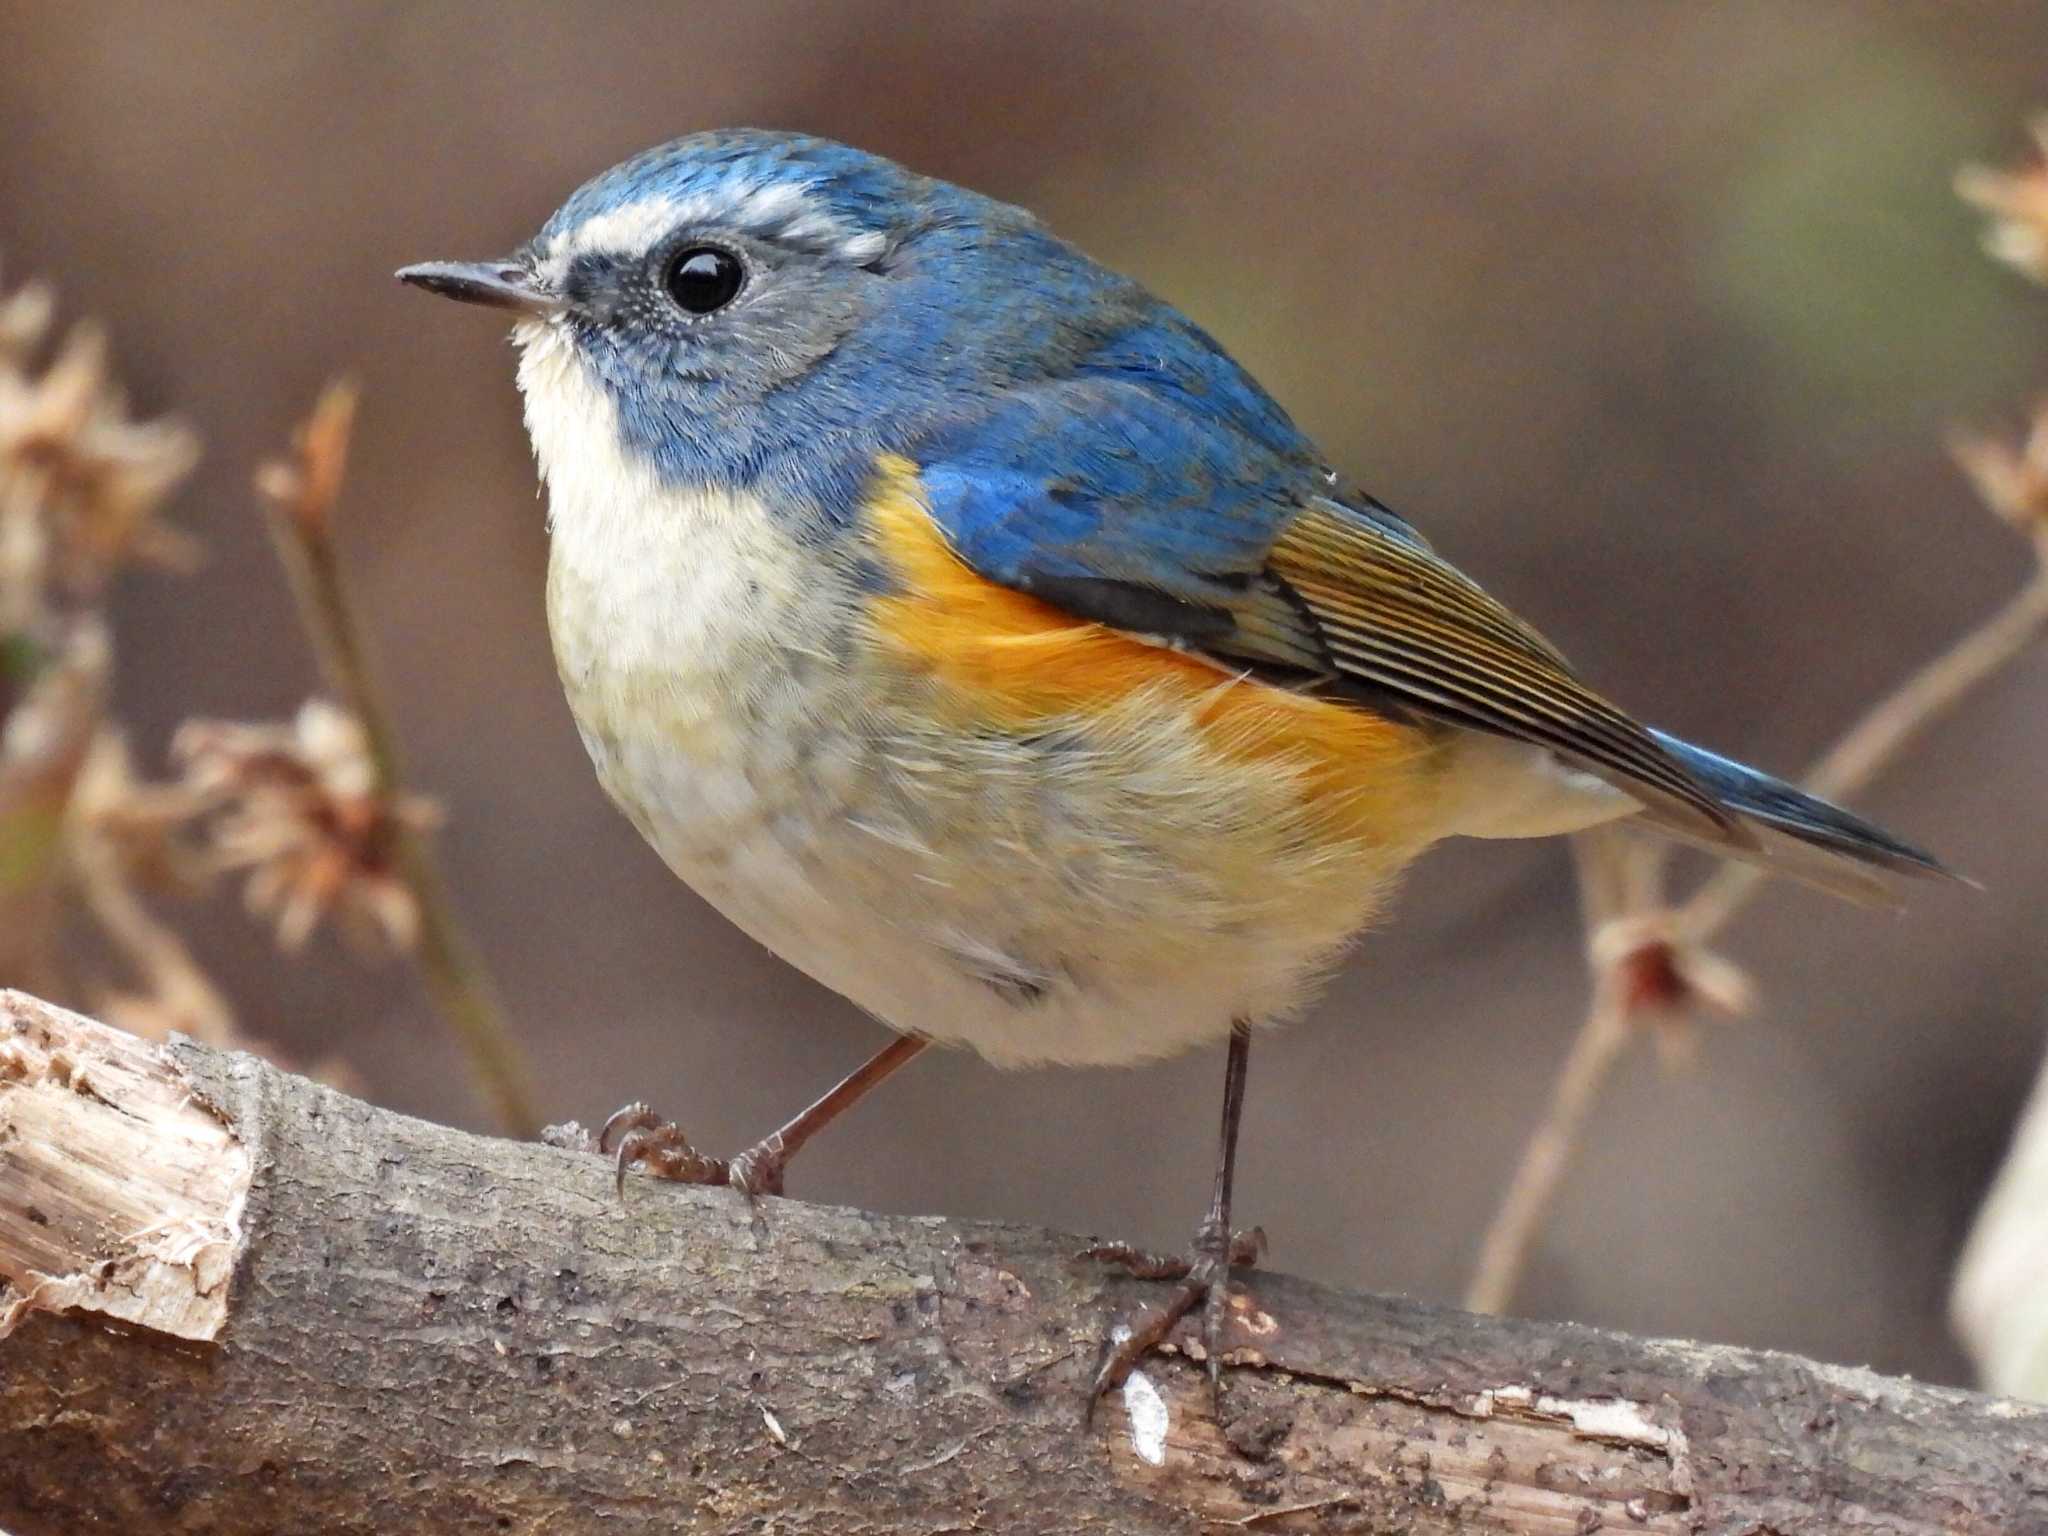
(1145, 1332)
(1204, 1276)
(1215, 1304)
(638, 1121)
(632, 1147)
(636, 1116)
(657, 1145)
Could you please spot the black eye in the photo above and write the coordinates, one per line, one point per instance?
(704, 278)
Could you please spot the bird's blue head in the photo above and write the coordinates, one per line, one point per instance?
(771, 311)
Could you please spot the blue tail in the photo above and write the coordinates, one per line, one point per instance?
(1802, 834)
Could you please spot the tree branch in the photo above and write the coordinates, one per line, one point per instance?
(302, 495)
(238, 1301)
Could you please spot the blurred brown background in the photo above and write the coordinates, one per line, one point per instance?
(1652, 315)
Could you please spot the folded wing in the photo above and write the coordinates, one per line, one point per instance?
(1114, 499)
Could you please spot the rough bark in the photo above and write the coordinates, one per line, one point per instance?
(239, 1302)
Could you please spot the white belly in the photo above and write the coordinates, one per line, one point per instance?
(1045, 899)
(1092, 892)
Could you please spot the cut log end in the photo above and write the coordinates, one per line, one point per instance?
(124, 1189)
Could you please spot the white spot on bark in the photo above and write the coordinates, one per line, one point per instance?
(1614, 1420)
(1148, 1413)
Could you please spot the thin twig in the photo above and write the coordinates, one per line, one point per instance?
(1595, 1050)
(1884, 731)
(49, 732)
(171, 977)
(300, 497)
(1612, 874)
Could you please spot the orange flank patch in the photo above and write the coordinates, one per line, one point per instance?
(1016, 661)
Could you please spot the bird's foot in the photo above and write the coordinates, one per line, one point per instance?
(659, 1148)
(1203, 1274)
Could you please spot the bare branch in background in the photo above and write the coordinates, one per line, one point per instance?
(312, 859)
(118, 827)
(59, 697)
(81, 487)
(1636, 936)
(1873, 742)
(1643, 973)
(2018, 204)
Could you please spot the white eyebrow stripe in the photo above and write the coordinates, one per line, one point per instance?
(631, 227)
(778, 208)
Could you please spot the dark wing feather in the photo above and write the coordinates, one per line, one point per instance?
(1395, 617)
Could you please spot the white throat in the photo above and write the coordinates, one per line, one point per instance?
(690, 594)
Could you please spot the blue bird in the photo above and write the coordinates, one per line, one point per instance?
(964, 624)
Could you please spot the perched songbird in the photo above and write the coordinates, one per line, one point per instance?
(963, 623)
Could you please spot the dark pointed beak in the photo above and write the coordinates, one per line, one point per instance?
(498, 284)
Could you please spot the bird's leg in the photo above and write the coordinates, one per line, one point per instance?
(660, 1148)
(1204, 1275)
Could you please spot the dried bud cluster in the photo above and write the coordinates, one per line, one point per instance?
(1666, 980)
(305, 487)
(80, 489)
(80, 483)
(306, 811)
(299, 807)
(2013, 481)
(148, 832)
(2018, 204)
